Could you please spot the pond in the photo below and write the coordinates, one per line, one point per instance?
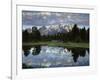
(49, 56)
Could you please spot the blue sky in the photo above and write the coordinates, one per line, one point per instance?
(42, 18)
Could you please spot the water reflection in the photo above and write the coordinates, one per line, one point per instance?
(26, 50)
(76, 53)
(36, 50)
(29, 49)
(46, 56)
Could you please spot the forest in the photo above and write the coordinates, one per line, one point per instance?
(75, 35)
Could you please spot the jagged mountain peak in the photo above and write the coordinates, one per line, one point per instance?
(54, 29)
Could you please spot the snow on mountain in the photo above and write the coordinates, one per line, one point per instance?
(54, 29)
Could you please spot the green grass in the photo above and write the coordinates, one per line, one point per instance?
(63, 44)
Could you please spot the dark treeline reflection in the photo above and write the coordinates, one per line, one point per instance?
(29, 49)
(26, 50)
(36, 50)
(76, 52)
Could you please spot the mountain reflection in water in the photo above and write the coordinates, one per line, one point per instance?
(46, 56)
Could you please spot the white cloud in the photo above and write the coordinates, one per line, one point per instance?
(61, 20)
(69, 17)
(27, 13)
(45, 13)
(52, 22)
(44, 17)
(58, 14)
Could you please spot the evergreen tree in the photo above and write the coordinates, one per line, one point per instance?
(75, 33)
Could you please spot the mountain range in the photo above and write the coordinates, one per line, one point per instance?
(54, 29)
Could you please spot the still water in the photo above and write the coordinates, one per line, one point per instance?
(47, 56)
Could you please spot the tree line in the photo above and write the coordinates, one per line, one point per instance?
(75, 35)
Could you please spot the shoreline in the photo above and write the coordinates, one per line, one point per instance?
(63, 44)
